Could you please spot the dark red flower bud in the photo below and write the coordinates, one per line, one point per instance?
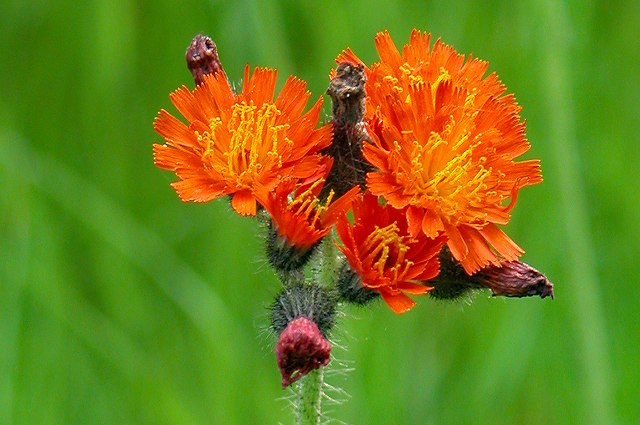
(301, 348)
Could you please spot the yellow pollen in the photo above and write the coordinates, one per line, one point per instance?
(390, 79)
(406, 69)
(254, 141)
(385, 245)
(444, 76)
(393, 82)
(448, 179)
(435, 140)
(415, 80)
(206, 138)
(469, 101)
(307, 203)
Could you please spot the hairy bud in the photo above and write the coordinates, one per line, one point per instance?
(283, 255)
(350, 287)
(301, 348)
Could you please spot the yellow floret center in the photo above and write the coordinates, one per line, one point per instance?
(251, 141)
(385, 249)
(308, 205)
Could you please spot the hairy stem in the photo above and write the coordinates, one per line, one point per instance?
(328, 262)
(308, 404)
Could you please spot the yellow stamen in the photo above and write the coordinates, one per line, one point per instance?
(307, 203)
(206, 138)
(254, 141)
(386, 249)
(444, 76)
(449, 178)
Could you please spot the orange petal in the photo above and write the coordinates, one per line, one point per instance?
(340, 206)
(347, 55)
(431, 223)
(292, 98)
(186, 103)
(261, 86)
(198, 189)
(399, 303)
(388, 51)
(379, 158)
(456, 243)
(413, 288)
(383, 184)
(501, 242)
(415, 216)
(173, 130)
(480, 254)
(244, 203)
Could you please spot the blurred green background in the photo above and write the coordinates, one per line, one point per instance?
(121, 305)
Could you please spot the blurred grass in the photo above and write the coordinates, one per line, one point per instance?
(119, 304)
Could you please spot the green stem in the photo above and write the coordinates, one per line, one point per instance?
(328, 262)
(308, 404)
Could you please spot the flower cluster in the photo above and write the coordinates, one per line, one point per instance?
(416, 172)
(444, 143)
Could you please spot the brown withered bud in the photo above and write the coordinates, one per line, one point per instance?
(347, 93)
(509, 279)
(514, 279)
(301, 348)
(348, 102)
(202, 57)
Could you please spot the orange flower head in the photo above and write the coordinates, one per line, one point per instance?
(299, 215)
(235, 143)
(444, 143)
(387, 258)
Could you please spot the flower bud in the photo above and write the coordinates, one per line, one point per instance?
(348, 103)
(283, 255)
(301, 348)
(302, 316)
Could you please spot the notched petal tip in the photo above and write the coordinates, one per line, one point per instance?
(244, 203)
(399, 303)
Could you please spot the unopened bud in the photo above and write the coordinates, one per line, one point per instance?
(514, 279)
(283, 255)
(302, 316)
(301, 348)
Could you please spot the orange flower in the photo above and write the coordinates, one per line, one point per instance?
(444, 140)
(387, 258)
(299, 216)
(234, 143)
